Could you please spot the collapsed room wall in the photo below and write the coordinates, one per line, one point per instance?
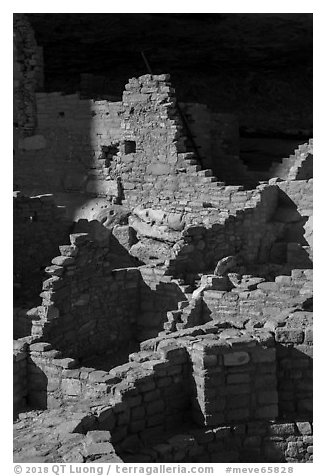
(87, 307)
(243, 230)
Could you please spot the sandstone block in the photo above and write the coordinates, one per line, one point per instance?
(289, 335)
(63, 260)
(71, 386)
(304, 427)
(158, 169)
(236, 358)
(267, 412)
(40, 347)
(155, 407)
(282, 429)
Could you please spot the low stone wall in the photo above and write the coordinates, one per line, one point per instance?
(258, 442)
(77, 439)
(254, 301)
(54, 380)
(211, 374)
(39, 228)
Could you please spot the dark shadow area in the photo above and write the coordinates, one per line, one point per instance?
(262, 65)
(259, 153)
(36, 243)
(292, 248)
(295, 383)
(37, 387)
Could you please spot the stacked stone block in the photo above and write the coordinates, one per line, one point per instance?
(256, 302)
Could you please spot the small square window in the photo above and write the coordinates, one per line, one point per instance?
(129, 146)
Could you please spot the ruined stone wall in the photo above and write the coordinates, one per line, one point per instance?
(39, 227)
(293, 336)
(158, 168)
(242, 230)
(254, 300)
(220, 375)
(299, 166)
(87, 307)
(181, 374)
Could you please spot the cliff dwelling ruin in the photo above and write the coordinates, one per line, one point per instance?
(162, 286)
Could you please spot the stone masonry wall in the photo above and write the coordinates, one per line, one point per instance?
(294, 346)
(231, 373)
(87, 306)
(258, 442)
(158, 168)
(78, 439)
(172, 378)
(71, 141)
(243, 231)
(255, 301)
(213, 372)
(39, 227)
